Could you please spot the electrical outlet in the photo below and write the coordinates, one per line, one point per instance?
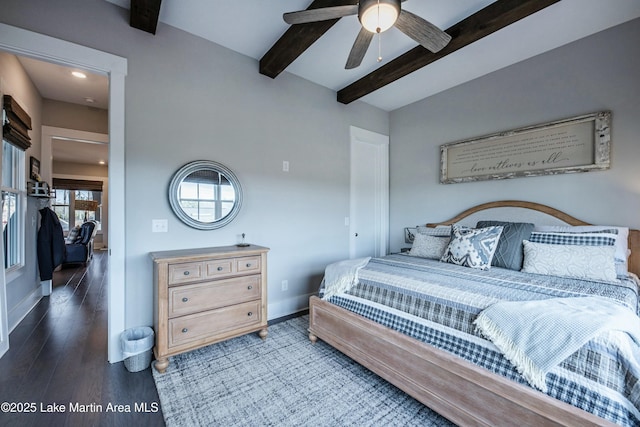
(285, 285)
(159, 226)
(285, 166)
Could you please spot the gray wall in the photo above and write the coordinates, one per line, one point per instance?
(23, 285)
(74, 116)
(598, 73)
(81, 169)
(189, 99)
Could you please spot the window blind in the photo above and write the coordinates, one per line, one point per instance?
(76, 184)
(17, 124)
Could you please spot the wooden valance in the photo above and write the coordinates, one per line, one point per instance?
(17, 125)
(76, 184)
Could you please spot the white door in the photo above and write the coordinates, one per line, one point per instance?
(369, 204)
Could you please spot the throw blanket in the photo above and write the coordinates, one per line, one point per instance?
(537, 335)
(340, 276)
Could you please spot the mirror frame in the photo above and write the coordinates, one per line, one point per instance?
(187, 170)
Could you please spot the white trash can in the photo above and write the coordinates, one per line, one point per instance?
(137, 344)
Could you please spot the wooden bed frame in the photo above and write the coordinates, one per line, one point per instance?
(464, 393)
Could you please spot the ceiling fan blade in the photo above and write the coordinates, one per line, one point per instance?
(422, 31)
(359, 49)
(321, 14)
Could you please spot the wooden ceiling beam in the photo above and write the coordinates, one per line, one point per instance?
(144, 14)
(297, 39)
(482, 23)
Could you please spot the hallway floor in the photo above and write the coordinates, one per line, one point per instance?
(56, 371)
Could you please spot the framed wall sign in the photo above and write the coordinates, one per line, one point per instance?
(34, 168)
(577, 144)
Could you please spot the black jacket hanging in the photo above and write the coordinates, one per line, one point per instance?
(51, 245)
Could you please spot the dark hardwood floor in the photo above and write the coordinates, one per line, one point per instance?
(58, 356)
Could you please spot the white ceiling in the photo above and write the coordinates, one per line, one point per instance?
(252, 26)
(57, 83)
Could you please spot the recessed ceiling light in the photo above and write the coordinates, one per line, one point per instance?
(101, 162)
(89, 100)
(79, 75)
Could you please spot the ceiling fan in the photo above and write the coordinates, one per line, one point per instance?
(376, 16)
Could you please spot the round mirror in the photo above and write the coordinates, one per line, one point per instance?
(205, 195)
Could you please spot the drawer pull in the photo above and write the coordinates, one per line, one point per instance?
(185, 299)
(250, 314)
(184, 330)
(249, 287)
(186, 273)
(248, 264)
(219, 268)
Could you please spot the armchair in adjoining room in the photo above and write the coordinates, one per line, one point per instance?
(79, 243)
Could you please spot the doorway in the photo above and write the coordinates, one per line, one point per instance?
(37, 46)
(369, 194)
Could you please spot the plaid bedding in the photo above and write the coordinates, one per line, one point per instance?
(436, 303)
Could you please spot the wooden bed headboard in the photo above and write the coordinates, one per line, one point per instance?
(558, 216)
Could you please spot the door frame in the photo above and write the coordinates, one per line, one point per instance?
(45, 48)
(381, 142)
(4, 314)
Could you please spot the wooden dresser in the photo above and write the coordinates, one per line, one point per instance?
(203, 296)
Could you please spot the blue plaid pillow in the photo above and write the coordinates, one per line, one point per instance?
(585, 239)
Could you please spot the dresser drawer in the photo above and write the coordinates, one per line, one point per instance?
(186, 272)
(199, 297)
(232, 266)
(248, 265)
(193, 327)
(220, 268)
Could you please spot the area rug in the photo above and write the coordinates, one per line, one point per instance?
(283, 381)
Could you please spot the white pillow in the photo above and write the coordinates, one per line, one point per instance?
(427, 246)
(576, 261)
(622, 240)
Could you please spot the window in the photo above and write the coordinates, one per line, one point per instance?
(206, 200)
(60, 206)
(13, 200)
(75, 207)
(87, 206)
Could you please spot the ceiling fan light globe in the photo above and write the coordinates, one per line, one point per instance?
(378, 16)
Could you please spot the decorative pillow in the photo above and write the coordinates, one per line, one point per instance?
(584, 239)
(440, 230)
(74, 234)
(576, 261)
(622, 235)
(509, 251)
(590, 236)
(426, 246)
(472, 247)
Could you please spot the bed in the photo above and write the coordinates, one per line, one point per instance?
(428, 359)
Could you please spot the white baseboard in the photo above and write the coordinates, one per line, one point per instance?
(21, 310)
(288, 306)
